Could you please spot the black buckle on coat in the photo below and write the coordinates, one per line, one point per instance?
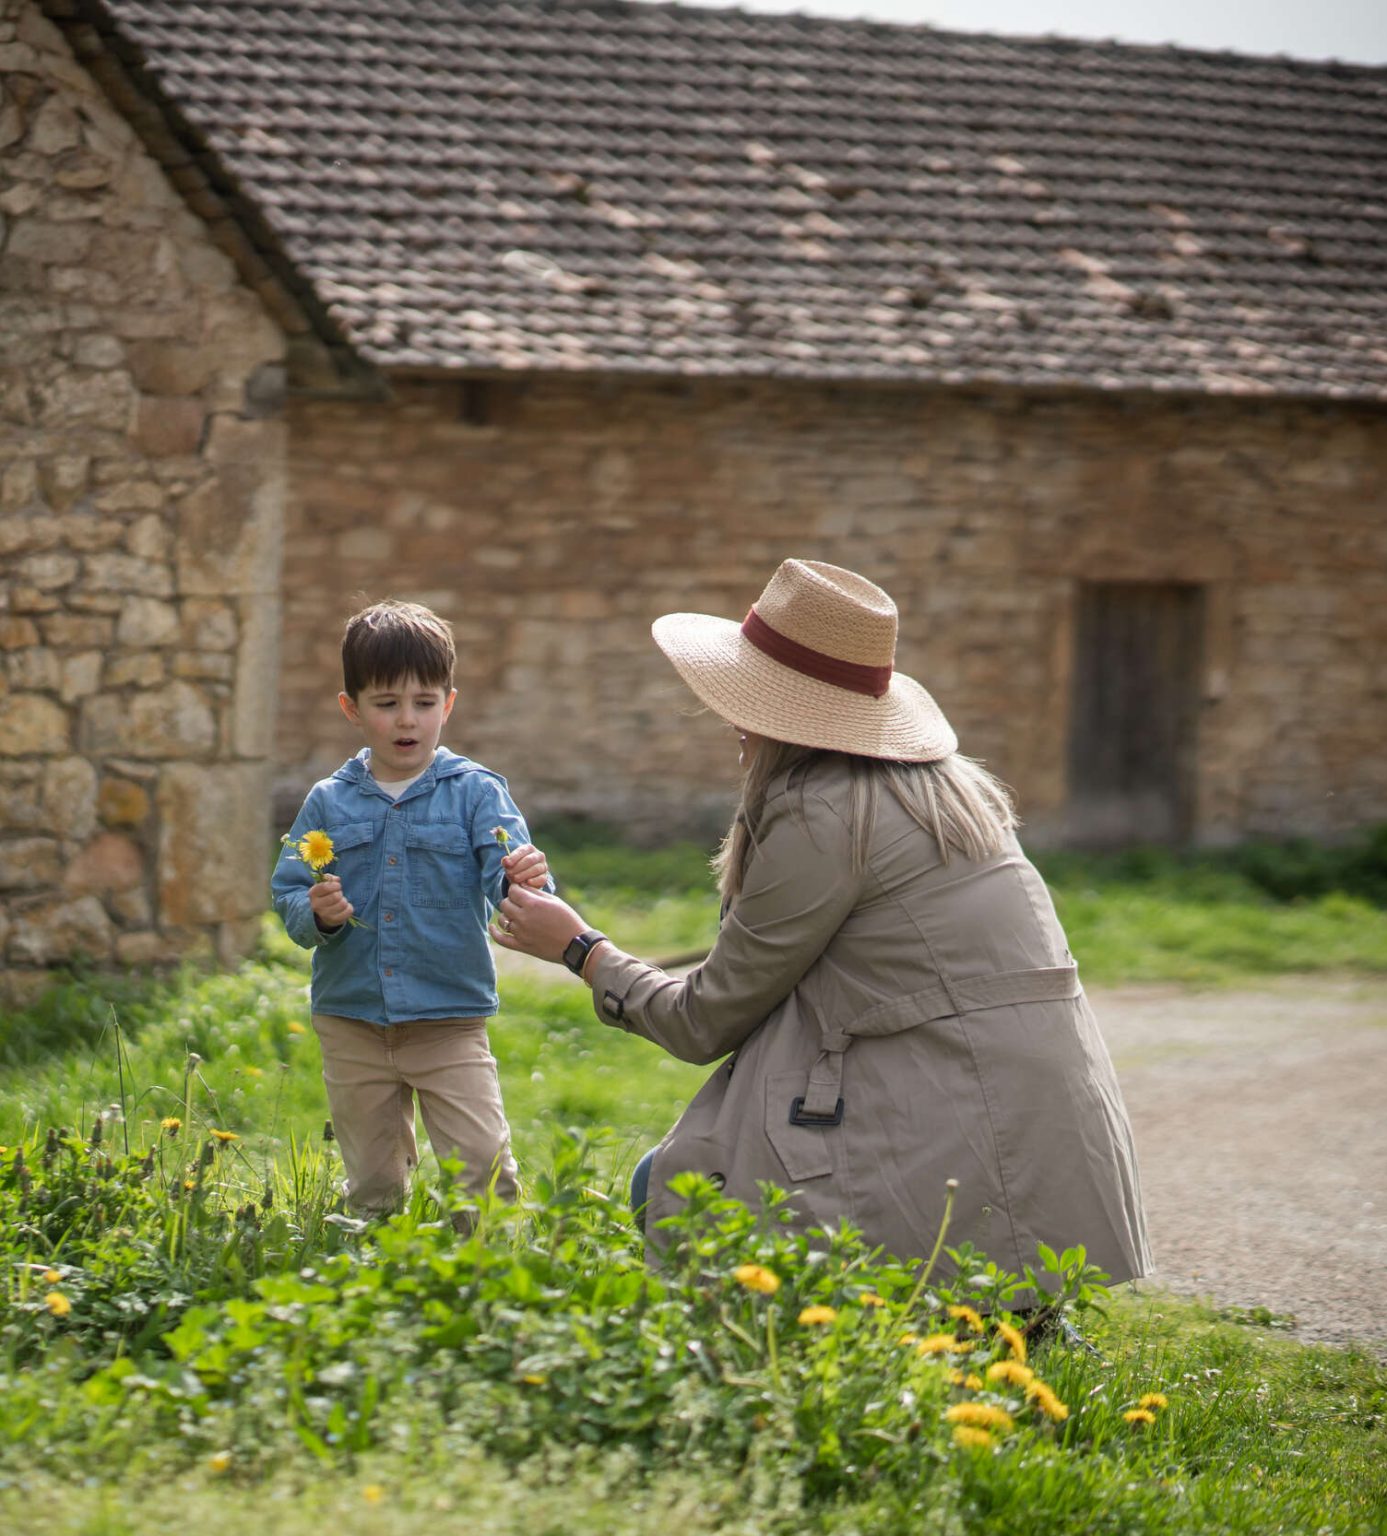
(798, 1116)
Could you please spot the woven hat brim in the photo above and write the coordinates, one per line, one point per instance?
(748, 689)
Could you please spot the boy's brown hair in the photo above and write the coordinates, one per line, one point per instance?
(390, 641)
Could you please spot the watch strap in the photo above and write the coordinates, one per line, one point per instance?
(575, 955)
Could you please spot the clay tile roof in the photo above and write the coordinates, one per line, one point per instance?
(617, 187)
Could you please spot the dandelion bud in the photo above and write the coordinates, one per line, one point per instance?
(95, 1138)
(328, 1133)
(950, 1183)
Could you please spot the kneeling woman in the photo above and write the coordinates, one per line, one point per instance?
(890, 982)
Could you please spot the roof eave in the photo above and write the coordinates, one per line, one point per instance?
(979, 383)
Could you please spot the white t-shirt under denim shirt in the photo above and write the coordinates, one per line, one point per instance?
(396, 787)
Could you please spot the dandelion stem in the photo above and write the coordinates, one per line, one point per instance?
(951, 1189)
(772, 1352)
(120, 1073)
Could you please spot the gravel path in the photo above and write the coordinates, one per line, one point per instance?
(1261, 1125)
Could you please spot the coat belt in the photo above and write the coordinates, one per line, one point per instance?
(940, 1000)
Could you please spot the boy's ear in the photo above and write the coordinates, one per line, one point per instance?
(347, 704)
(448, 702)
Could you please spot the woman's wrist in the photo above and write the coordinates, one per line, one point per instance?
(590, 962)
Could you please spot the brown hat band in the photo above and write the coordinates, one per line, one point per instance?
(873, 681)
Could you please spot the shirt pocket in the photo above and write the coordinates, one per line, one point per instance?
(439, 864)
(353, 859)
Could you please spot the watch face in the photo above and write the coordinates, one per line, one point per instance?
(576, 952)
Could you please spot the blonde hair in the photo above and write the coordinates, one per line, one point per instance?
(955, 799)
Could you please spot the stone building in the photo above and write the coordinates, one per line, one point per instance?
(560, 316)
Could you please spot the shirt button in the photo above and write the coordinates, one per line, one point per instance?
(391, 859)
(388, 971)
(390, 917)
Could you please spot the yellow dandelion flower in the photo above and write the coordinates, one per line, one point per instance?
(969, 1379)
(1014, 1341)
(967, 1315)
(51, 1277)
(972, 1438)
(870, 1299)
(295, 1028)
(1010, 1371)
(1139, 1416)
(171, 1123)
(315, 849)
(1047, 1400)
(908, 1338)
(944, 1344)
(373, 1493)
(254, 1071)
(57, 1304)
(534, 1381)
(811, 1316)
(1153, 1400)
(225, 1136)
(755, 1277)
(189, 1183)
(219, 1462)
(981, 1416)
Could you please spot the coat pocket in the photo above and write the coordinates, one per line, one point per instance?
(441, 867)
(805, 1151)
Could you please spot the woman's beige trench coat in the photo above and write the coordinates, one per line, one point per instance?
(890, 1030)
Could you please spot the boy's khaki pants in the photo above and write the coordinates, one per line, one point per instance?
(373, 1071)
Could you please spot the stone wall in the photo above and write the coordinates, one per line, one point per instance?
(141, 519)
(551, 521)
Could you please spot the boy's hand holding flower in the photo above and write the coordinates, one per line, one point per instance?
(524, 864)
(330, 907)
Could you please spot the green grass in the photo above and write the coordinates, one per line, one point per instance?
(259, 1073)
(239, 1354)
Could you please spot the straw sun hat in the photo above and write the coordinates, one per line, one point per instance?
(812, 664)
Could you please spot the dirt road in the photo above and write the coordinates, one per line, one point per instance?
(1261, 1123)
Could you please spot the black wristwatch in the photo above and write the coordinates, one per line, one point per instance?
(575, 957)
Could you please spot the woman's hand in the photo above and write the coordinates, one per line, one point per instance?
(536, 923)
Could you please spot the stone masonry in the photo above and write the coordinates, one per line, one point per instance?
(551, 521)
(141, 508)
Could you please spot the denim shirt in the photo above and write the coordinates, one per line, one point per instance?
(422, 872)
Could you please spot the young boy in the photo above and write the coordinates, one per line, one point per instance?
(403, 979)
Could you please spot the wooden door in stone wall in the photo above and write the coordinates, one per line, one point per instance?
(1134, 712)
